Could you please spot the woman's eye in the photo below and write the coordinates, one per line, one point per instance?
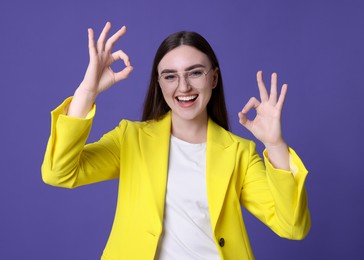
(195, 73)
(169, 77)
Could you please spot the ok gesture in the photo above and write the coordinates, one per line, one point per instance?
(99, 75)
(266, 126)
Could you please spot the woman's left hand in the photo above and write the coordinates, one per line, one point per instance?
(266, 126)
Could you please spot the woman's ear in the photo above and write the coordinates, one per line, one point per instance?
(215, 77)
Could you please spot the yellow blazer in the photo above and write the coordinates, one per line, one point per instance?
(137, 154)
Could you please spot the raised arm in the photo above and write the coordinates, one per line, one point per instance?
(271, 192)
(68, 162)
(99, 76)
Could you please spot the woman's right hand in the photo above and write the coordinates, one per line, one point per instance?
(99, 75)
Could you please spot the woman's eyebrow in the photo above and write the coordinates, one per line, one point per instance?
(186, 69)
(194, 67)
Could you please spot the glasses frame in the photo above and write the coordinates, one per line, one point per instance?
(184, 74)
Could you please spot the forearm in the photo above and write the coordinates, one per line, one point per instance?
(67, 139)
(277, 197)
(81, 103)
(292, 216)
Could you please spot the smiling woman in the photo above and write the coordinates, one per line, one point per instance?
(155, 105)
(187, 98)
(182, 175)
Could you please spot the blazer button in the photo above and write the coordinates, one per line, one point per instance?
(222, 242)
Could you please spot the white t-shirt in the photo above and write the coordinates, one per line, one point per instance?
(187, 228)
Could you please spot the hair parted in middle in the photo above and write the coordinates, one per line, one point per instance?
(156, 107)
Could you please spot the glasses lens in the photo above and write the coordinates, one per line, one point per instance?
(169, 79)
(196, 77)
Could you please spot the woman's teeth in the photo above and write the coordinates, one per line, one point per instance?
(187, 98)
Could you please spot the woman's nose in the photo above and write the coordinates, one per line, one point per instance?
(183, 84)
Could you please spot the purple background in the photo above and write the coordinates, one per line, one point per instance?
(315, 46)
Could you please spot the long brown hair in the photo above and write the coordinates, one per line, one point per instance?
(154, 104)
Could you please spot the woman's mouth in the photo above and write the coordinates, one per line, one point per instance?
(186, 101)
(189, 98)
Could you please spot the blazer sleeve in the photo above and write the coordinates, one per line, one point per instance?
(277, 197)
(68, 161)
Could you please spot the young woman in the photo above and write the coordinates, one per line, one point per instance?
(182, 174)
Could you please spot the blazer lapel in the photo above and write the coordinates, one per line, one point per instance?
(154, 140)
(220, 158)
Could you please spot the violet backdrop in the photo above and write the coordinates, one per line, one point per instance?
(314, 46)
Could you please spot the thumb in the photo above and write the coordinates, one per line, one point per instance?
(244, 121)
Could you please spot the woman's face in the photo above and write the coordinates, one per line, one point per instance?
(187, 80)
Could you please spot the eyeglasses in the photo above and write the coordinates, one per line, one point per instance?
(194, 78)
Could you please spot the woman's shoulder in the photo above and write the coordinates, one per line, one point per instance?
(155, 129)
(217, 132)
(240, 139)
(127, 123)
(144, 125)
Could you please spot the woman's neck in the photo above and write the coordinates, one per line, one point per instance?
(192, 131)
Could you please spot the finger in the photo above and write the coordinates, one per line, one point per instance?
(282, 97)
(120, 55)
(102, 37)
(113, 39)
(262, 90)
(273, 89)
(252, 103)
(123, 74)
(91, 43)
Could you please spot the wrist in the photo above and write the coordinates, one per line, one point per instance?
(277, 145)
(85, 93)
(82, 102)
(278, 155)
